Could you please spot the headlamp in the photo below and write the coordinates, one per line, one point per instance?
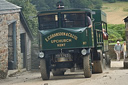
(41, 54)
(83, 51)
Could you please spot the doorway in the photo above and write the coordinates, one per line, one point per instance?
(23, 49)
(12, 59)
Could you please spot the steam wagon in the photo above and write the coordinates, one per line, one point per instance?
(67, 42)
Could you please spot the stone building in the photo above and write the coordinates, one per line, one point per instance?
(126, 32)
(25, 38)
(15, 39)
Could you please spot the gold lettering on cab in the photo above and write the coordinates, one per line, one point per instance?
(61, 45)
(61, 41)
(61, 34)
(84, 43)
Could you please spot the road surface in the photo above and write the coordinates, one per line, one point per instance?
(113, 76)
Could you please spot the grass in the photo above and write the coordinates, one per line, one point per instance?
(125, 9)
(116, 12)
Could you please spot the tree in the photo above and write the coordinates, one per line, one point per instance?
(92, 4)
(97, 4)
(28, 10)
(40, 5)
(51, 4)
(112, 1)
(116, 32)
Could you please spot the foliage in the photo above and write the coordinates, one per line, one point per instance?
(113, 1)
(116, 32)
(48, 4)
(51, 4)
(113, 36)
(28, 10)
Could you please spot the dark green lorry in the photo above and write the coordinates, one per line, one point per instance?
(66, 41)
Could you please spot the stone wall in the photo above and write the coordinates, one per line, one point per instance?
(5, 20)
(3, 46)
(35, 60)
(28, 52)
(112, 53)
(27, 49)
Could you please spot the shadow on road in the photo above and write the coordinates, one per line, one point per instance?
(75, 75)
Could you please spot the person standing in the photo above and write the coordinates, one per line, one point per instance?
(117, 49)
(124, 49)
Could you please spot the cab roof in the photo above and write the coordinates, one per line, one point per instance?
(64, 11)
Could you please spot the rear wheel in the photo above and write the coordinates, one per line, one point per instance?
(98, 64)
(45, 72)
(97, 67)
(108, 61)
(87, 67)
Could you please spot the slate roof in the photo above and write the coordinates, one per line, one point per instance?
(126, 19)
(5, 5)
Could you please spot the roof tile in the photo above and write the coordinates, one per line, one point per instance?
(5, 5)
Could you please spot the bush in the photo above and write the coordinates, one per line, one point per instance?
(112, 1)
(116, 32)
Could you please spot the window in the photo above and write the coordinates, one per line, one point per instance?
(104, 26)
(73, 20)
(48, 21)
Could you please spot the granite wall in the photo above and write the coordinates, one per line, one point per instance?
(5, 21)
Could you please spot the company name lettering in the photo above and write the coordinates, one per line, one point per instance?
(61, 41)
(61, 34)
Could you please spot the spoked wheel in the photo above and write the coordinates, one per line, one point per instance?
(87, 67)
(57, 72)
(45, 72)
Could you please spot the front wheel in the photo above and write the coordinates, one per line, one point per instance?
(45, 72)
(87, 67)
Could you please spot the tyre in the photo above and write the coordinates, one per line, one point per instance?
(97, 67)
(108, 61)
(98, 64)
(57, 72)
(45, 72)
(72, 70)
(87, 67)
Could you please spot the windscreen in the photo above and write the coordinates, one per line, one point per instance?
(48, 21)
(73, 20)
